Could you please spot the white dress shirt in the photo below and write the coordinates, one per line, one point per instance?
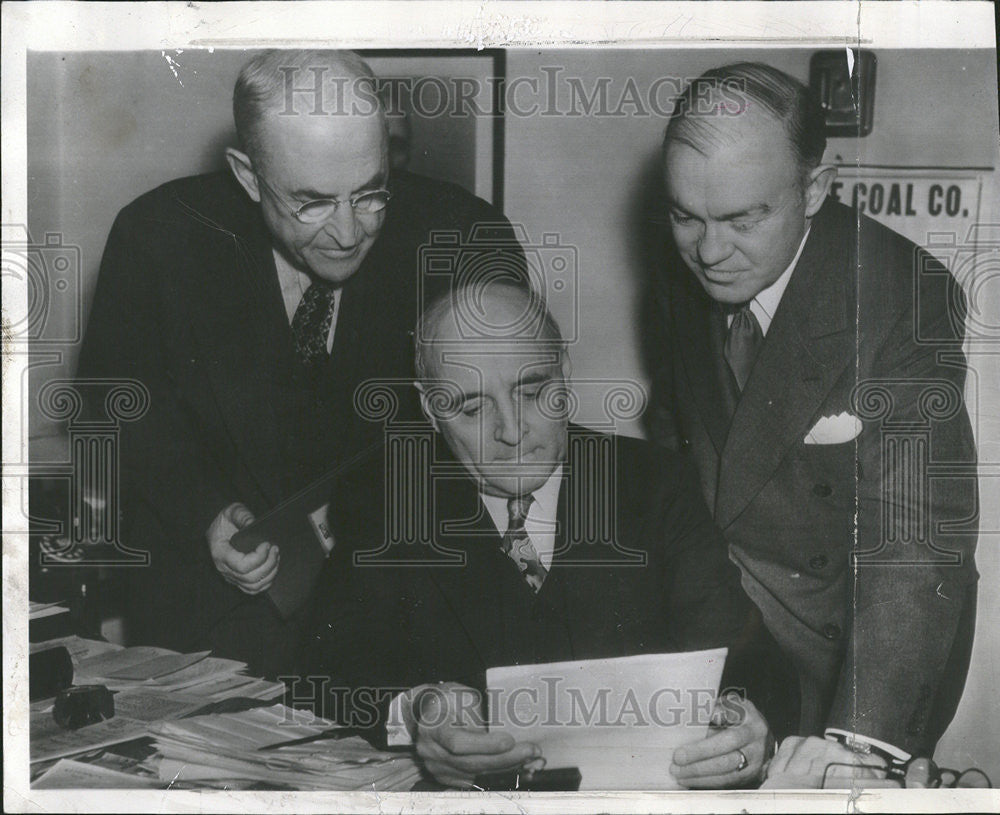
(541, 521)
(765, 304)
(293, 286)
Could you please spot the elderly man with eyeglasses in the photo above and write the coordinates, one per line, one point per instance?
(251, 304)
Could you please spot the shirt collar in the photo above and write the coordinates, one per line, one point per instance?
(547, 495)
(765, 304)
(544, 506)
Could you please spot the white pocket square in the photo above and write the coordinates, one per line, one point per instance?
(834, 429)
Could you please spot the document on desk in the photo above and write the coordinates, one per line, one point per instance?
(225, 746)
(617, 720)
(138, 664)
(67, 774)
(49, 741)
(80, 649)
(37, 611)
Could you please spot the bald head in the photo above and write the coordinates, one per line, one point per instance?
(496, 313)
(305, 85)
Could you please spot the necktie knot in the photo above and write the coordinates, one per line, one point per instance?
(517, 510)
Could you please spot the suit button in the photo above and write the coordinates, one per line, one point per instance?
(831, 631)
(822, 490)
(818, 562)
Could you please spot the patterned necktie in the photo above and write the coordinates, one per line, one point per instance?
(517, 545)
(311, 322)
(743, 342)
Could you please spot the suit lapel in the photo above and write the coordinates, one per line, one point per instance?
(457, 505)
(809, 344)
(700, 326)
(243, 333)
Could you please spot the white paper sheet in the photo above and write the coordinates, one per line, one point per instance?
(617, 720)
(70, 774)
(79, 649)
(49, 741)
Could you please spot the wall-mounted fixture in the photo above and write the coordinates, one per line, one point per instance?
(844, 81)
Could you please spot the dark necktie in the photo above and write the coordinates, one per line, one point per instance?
(517, 545)
(743, 342)
(311, 322)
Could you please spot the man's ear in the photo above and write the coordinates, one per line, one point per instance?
(566, 365)
(242, 168)
(818, 186)
(425, 406)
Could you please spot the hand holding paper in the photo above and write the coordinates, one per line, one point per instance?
(617, 720)
(733, 754)
(452, 739)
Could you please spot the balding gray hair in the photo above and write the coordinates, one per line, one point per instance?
(304, 81)
(731, 90)
(467, 305)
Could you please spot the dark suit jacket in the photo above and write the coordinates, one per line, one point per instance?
(188, 303)
(872, 326)
(665, 585)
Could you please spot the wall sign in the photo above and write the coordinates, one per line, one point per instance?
(920, 204)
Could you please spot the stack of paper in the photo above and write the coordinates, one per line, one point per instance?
(226, 747)
(79, 648)
(69, 774)
(209, 678)
(150, 684)
(49, 740)
(36, 611)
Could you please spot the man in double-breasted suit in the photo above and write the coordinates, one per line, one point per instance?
(813, 369)
(514, 563)
(251, 304)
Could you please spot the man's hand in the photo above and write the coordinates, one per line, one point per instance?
(733, 754)
(252, 572)
(802, 763)
(452, 740)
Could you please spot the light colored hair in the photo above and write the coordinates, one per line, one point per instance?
(263, 84)
(467, 304)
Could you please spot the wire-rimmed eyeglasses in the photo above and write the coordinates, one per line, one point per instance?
(918, 772)
(365, 202)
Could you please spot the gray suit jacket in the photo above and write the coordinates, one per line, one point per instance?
(859, 554)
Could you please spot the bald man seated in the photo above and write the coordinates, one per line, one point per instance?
(503, 574)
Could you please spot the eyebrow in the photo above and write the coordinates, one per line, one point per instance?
(534, 378)
(376, 181)
(753, 209)
(530, 378)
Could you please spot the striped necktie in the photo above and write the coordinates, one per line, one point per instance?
(518, 546)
